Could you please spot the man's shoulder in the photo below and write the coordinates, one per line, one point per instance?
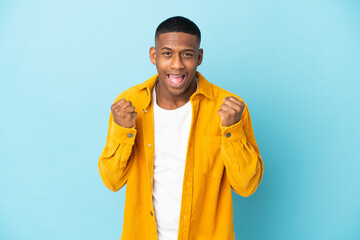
(138, 90)
(130, 92)
(212, 91)
(220, 93)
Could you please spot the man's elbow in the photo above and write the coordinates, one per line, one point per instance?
(244, 192)
(111, 182)
(248, 186)
(113, 185)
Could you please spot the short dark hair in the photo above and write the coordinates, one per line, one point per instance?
(178, 24)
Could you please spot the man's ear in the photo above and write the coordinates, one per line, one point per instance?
(200, 56)
(152, 54)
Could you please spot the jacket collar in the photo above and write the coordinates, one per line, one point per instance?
(204, 87)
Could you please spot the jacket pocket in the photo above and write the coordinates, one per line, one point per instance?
(212, 164)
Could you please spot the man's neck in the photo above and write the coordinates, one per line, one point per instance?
(171, 102)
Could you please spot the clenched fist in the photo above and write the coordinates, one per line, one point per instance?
(124, 113)
(230, 111)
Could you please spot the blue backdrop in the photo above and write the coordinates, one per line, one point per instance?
(296, 64)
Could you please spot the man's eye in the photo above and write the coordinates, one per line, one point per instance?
(187, 54)
(167, 53)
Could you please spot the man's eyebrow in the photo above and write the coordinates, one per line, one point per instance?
(189, 50)
(185, 50)
(165, 48)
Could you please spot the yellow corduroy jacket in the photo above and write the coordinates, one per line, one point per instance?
(218, 159)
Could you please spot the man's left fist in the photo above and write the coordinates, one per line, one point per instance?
(230, 111)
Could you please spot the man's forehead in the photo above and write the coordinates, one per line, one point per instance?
(177, 39)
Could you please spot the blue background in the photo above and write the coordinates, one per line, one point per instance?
(296, 64)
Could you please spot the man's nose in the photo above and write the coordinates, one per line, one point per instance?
(176, 62)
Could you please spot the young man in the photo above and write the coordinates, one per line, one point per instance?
(180, 144)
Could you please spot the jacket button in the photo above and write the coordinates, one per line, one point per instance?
(151, 213)
(228, 135)
(130, 135)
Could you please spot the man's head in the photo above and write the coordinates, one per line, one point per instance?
(178, 24)
(177, 55)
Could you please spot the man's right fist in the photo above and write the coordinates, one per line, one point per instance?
(124, 113)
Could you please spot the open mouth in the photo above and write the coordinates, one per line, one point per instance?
(176, 80)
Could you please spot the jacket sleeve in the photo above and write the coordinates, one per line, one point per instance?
(241, 156)
(116, 159)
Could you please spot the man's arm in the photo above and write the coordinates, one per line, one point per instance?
(239, 151)
(115, 160)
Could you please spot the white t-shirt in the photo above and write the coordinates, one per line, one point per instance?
(172, 129)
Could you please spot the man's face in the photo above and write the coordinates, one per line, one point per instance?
(176, 56)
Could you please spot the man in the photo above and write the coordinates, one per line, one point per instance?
(180, 144)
